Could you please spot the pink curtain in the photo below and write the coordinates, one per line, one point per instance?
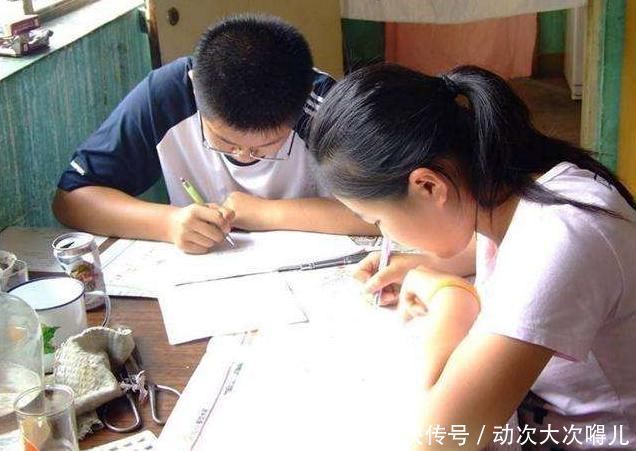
(505, 45)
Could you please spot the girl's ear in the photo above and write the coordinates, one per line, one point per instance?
(429, 185)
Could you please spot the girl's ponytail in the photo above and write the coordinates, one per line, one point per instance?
(508, 150)
(501, 129)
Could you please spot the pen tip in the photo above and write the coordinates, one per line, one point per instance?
(182, 179)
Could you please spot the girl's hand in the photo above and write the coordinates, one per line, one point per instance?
(424, 290)
(390, 278)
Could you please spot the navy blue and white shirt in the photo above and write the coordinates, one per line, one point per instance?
(155, 130)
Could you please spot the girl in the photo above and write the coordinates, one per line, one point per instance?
(442, 163)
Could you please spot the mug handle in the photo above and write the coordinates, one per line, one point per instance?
(107, 305)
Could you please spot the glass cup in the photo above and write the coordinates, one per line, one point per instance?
(19, 273)
(46, 416)
(7, 260)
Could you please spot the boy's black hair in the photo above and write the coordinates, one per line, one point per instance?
(252, 71)
(382, 122)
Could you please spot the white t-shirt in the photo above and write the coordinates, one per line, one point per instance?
(216, 176)
(565, 279)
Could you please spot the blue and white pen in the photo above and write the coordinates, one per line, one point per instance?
(385, 255)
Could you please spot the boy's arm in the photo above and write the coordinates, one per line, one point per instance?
(110, 212)
(307, 214)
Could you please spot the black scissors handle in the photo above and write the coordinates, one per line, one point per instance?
(133, 407)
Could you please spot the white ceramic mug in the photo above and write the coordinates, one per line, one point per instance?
(60, 305)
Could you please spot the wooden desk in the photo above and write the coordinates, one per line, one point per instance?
(167, 364)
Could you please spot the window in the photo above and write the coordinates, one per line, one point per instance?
(46, 9)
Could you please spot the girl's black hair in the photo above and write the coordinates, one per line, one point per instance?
(382, 122)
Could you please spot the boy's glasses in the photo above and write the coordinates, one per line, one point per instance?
(257, 154)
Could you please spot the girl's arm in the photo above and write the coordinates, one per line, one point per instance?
(473, 380)
(446, 307)
(480, 387)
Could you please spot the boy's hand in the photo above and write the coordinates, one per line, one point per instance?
(248, 210)
(390, 278)
(196, 229)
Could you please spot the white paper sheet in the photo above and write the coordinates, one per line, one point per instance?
(227, 306)
(310, 392)
(305, 387)
(33, 245)
(142, 266)
(342, 381)
(114, 250)
(198, 399)
(131, 267)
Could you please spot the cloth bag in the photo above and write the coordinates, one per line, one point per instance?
(84, 362)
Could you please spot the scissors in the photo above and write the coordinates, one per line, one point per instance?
(133, 378)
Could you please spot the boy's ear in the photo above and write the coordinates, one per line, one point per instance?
(429, 185)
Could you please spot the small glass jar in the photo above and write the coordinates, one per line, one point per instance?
(47, 418)
(20, 362)
(78, 255)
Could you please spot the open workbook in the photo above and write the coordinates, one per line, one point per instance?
(144, 268)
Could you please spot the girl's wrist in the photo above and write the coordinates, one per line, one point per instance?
(457, 283)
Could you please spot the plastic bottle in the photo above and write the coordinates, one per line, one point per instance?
(20, 362)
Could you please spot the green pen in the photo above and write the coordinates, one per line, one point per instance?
(197, 199)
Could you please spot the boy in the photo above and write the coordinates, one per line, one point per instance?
(233, 121)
